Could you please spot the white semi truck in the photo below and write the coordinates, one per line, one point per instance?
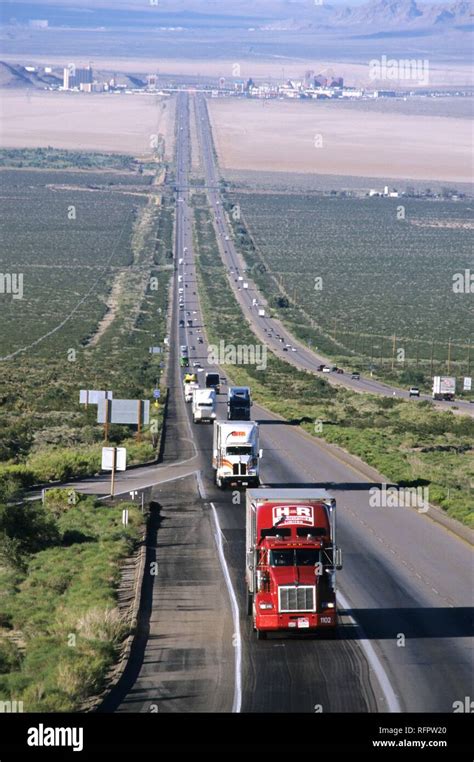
(204, 405)
(444, 387)
(235, 454)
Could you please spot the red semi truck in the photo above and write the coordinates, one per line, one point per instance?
(292, 559)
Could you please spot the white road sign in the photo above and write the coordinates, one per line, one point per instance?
(108, 458)
(125, 411)
(92, 396)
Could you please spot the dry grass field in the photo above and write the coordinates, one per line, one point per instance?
(335, 139)
(86, 122)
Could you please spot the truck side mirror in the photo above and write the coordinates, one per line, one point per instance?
(338, 559)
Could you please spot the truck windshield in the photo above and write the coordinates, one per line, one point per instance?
(212, 378)
(294, 557)
(205, 404)
(239, 450)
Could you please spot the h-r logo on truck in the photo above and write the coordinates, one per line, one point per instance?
(293, 514)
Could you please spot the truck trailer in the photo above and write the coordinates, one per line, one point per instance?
(235, 454)
(204, 405)
(291, 560)
(444, 387)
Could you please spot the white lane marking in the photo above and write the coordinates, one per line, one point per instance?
(393, 703)
(202, 491)
(237, 703)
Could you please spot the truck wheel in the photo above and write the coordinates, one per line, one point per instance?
(249, 603)
(261, 635)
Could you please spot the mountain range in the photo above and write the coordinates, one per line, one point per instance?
(275, 14)
(377, 15)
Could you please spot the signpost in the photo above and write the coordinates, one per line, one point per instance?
(114, 459)
(467, 386)
(155, 350)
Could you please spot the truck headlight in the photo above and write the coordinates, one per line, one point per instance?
(327, 605)
(264, 605)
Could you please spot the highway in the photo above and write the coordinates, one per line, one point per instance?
(405, 592)
(270, 331)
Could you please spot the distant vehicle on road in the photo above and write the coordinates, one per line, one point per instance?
(339, 370)
(204, 405)
(355, 375)
(261, 313)
(189, 390)
(238, 403)
(235, 454)
(213, 381)
(326, 369)
(444, 388)
(414, 391)
(320, 368)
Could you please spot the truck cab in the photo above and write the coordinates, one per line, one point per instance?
(213, 381)
(235, 454)
(238, 403)
(204, 405)
(291, 560)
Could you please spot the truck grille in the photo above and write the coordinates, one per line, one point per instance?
(302, 598)
(242, 471)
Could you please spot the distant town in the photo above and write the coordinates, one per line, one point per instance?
(312, 86)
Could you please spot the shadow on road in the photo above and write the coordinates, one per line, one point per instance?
(331, 486)
(388, 624)
(137, 654)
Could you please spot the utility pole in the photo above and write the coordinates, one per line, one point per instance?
(469, 357)
(449, 355)
(393, 351)
(432, 354)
